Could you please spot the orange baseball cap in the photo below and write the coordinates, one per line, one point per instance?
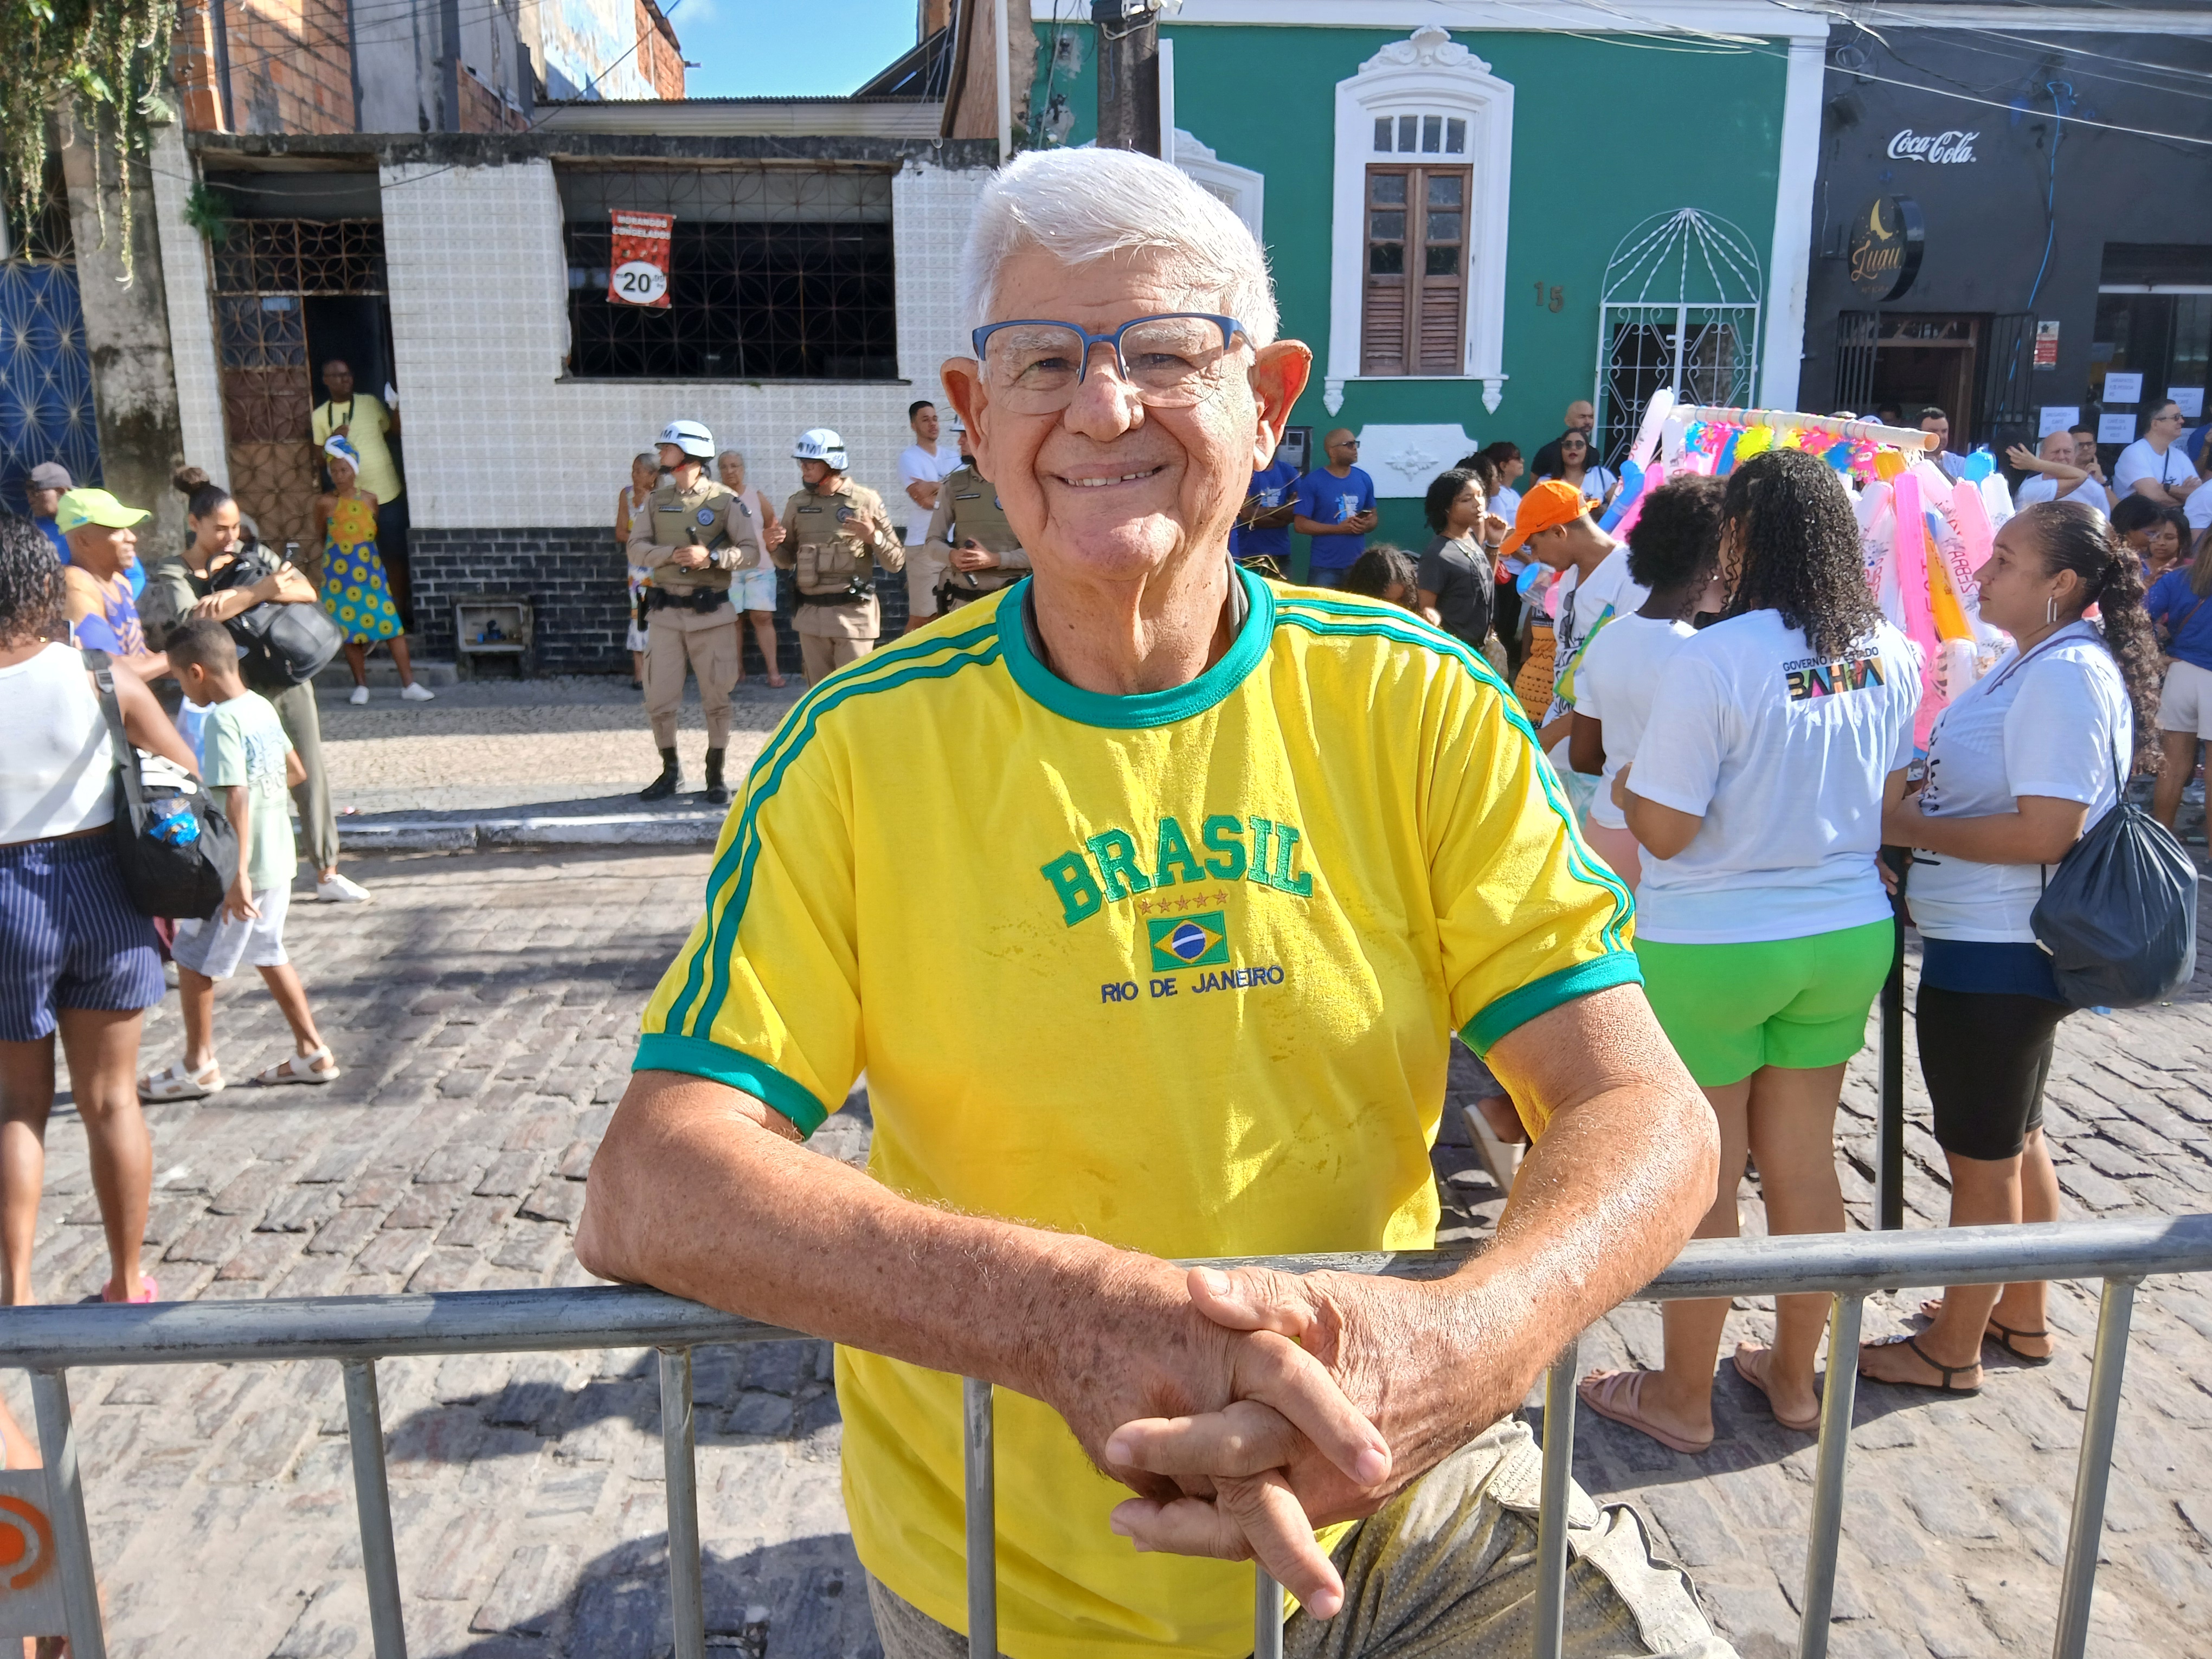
(1545, 506)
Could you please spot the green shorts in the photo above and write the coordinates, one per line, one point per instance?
(1730, 1009)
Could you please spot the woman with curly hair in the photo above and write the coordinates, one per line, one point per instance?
(2018, 767)
(1762, 925)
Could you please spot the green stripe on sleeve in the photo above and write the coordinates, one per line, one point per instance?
(1517, 1008)
(671, 1051)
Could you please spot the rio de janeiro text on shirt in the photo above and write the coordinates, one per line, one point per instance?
(1114, 869)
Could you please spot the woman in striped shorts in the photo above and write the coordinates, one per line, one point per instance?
(76, 958)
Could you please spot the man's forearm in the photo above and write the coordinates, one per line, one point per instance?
(691, 1192)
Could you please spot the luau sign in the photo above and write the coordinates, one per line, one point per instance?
(1886, 248)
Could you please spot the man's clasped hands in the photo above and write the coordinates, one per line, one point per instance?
(1246, 1407)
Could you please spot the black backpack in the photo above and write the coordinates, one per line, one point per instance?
(279, 646)
(184, 883)
(2118, 916)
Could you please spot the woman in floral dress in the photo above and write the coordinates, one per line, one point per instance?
(353, 588)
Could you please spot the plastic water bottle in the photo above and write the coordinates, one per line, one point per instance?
(173, 823)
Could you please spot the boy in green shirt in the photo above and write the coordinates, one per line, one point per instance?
(246, 758)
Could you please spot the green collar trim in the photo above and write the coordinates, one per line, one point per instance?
(1148, 708)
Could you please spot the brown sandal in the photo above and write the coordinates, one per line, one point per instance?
(1618, 1395)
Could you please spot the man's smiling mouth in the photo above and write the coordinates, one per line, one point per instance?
(1118, 478)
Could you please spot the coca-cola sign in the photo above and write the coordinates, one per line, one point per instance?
(1951, 148)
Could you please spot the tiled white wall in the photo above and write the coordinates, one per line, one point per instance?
(479, 322)
(192, 320)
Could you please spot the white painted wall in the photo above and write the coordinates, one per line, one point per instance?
(185, 285)
(479, 322)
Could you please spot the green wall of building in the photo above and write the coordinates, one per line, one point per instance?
(1605, 133)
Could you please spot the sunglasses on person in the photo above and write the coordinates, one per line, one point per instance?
(1034, 365)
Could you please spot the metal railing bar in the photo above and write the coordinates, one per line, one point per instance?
(1839, 1393)
(1551, 1519)
(631, 1316)
(2086, 1532)
(1267, 1615)
(65, 1511)
(980, 1459)
(372, 1499)
(687, 1605)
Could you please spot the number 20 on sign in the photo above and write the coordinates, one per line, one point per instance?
(638, 272)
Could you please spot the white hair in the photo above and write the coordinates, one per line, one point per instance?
(1081, 204)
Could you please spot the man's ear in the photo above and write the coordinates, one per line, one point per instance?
(1279, 373)
(963, 389)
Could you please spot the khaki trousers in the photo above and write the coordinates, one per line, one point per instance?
(1447, 1570)
(707, 645)
(820, 652)
(926, 564)
(318, 820)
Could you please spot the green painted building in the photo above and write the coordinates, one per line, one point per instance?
(1474, 221)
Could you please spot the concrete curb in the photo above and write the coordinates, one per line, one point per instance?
(674, 829)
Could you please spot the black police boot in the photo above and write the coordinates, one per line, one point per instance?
(716, 794)
(664, 785)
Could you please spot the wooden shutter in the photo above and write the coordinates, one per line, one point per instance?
(1389, 257)
(1413, 314)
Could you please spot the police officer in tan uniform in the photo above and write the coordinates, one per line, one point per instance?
(986, 555)
(692, 534)
(836, 533)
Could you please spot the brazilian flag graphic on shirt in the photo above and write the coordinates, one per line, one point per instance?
(1198, 941)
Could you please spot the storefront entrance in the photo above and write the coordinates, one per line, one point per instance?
(1973, 367)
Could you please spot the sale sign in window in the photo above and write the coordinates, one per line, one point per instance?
(638, 273)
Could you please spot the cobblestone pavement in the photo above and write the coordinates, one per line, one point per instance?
(482, 743)
(484, 1009)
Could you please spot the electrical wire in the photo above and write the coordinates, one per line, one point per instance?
(2050, 188)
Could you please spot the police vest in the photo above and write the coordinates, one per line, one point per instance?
(829, 546)
(977, 517)
(711, 516)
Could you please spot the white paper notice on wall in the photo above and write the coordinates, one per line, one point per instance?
(2116, 429)
(2123, 388)
(2057, 418)
(2191, 399)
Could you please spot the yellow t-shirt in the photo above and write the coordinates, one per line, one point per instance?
(1184, 977)
(366, 421)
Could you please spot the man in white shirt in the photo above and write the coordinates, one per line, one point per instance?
(2155, 465)
(1934, 420)
(922, 467)
(2053, 470)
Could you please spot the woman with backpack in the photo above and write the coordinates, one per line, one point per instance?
(2020, 766)
(188, 584)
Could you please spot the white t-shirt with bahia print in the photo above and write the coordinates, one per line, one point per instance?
(1783, 755)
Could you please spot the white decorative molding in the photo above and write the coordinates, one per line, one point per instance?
(1241, 188)
(1790, 264)
(1403, 459)
(1428, 73)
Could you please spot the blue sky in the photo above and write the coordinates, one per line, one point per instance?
(776, 49)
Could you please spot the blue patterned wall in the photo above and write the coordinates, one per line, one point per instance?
(45, 378)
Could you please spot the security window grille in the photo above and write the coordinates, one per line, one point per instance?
(775, 273)
(1414, 317)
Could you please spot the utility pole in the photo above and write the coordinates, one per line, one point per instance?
(1129, 74)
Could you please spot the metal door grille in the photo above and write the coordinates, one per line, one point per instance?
(1682, 296)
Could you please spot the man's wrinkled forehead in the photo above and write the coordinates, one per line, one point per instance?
(1094, 295)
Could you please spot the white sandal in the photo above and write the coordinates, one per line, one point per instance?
(299, 1068)
(174, 1082)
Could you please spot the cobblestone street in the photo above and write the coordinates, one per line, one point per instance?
(484, 1009)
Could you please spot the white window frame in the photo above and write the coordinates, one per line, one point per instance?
(1427, 74)
(1242, 189)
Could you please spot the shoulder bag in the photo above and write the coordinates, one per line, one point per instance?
(2118, 918)
(182, 883)
(280, 646)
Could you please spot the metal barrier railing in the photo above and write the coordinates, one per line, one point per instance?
(358, 1331)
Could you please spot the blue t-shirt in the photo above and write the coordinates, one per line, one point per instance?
(2187, 619)
(1273, 488)
(1327, 499)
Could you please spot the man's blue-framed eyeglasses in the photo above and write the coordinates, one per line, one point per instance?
(1034, 364)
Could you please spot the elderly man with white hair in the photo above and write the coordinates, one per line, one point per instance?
(1214, 871)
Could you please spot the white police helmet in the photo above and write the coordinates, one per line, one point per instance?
(693, 439)
(820, 444)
